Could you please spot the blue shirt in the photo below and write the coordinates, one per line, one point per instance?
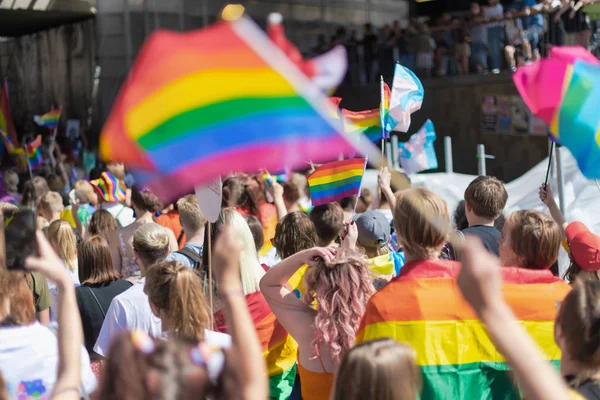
(184, 260)
(520, 5)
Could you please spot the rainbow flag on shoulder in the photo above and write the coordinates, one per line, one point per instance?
(205, 103)
(336, 180)
(423, 308)
(50, 120)
(280, 350)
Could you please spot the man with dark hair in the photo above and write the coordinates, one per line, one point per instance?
(328, 220)
(485, 199)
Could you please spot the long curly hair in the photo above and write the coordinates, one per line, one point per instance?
(342, 290)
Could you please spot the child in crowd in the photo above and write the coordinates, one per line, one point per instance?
(328, 220)
(485, 198)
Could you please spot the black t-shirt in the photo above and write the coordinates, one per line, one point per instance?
(91, 315)
(589, 389)
(488, 235)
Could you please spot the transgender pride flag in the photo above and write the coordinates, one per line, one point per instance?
(407, 97)
(418, 154)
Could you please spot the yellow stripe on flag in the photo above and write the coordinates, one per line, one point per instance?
(336, 177)
(202, 89)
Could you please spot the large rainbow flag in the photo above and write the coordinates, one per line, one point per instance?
(336, 180)
(424, 308)
(279, 348)
(564, 91)
(6, 122)
(205, 103)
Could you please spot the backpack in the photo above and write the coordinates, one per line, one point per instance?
(192, 255)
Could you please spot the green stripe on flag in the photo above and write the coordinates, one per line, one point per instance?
(281, 385)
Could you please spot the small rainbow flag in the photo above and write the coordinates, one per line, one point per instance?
(50, 120)
(34, 155)
(280, 350)
(369, 122)
(206, 103)
(109, 188)
(336, 180)
(423, 308)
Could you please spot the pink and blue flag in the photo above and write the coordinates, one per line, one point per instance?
(406, 98)
(418, 154)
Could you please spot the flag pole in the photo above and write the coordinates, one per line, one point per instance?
(360, 188)
(381, 114)
(549, 163)
(210, 281)
(27, 159)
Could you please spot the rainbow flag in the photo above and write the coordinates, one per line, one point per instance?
(8, 142)
(34, 155)
(280, 350)
(50, 120)
(424, 308)
(6, 122)
(109, 188)
(334, 181)
(209, 102)
(371, 123)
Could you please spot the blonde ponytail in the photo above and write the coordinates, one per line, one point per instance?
(177, 291)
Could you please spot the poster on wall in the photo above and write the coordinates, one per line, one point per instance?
(503, 114)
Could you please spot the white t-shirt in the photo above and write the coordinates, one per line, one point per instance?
(123, 215)
(128, 311)
(217, 339)
(29, 362)
(54, 292)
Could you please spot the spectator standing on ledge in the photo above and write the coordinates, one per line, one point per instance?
(479, 39)
(494, 13)
(532, 23)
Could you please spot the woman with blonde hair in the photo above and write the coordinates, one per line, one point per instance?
(279, 348)
(339, 282)
(175, 296)
(61, 237)
(382, 369)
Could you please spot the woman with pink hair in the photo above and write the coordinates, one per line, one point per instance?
(338, 281)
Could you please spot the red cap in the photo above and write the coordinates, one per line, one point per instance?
(585, 246)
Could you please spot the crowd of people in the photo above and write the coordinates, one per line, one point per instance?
(487, 38)
(377, 296)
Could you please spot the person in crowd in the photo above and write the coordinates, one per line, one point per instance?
(292, 195)
(33, 190)
(169, 218)
(100, 283)
(294, 233)
(153, 367)
(11, 185)
(63, 241)
(176, 297)
(479, 38)
(422, 226)
(387, 198)
(34, 363)
(532, 22)
(555, 27)
(365, 201)
(278, 347)
(517, 48)
(51, 206)
(425, 47)
(347, 205)
(370, 47)
(256, 230)
(494, 13)
(84, 201)
(480, 282)
(192, 220)
(111, 194)
(145, 204)
(529, 240)
(328, 220)
(581, 244)
(130, 310)
(380, 369)
(460, 216)
(57, 184)
(485, 199)
(374, 234)
(339, 282)
(276, 191)
(461, 49)
(102, 224)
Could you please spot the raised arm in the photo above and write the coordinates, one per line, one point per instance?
(276, 191)
(70, 333)
(246, 351)
(547, 197)
(480, 282)
(384, 179)
(295, 316)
